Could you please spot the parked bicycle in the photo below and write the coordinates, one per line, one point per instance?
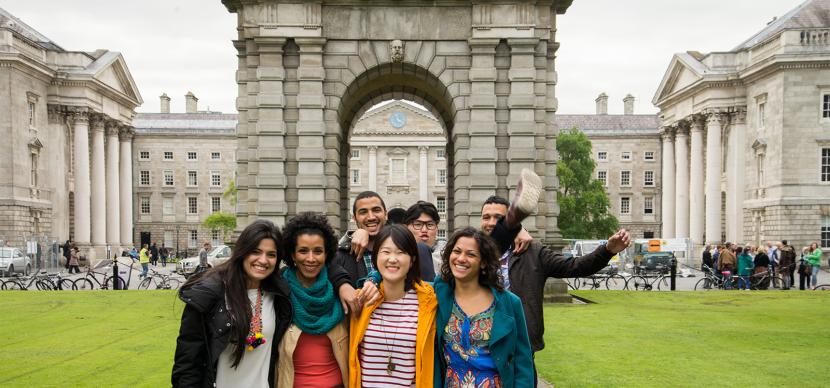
(611, 280)
(40, 280)
(765, 280)
(90, 280)
(822, 287)
(158, 281)
(642, 282)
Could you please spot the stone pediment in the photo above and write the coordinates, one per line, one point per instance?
(759, 145)
(35, 144)
(398, 151)
(419, 122)
(110, 69)
(684, 71)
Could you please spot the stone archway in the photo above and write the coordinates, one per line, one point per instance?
(307, 70)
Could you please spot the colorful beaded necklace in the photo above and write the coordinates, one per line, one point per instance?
(255, 337)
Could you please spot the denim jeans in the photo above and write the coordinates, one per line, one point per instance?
(814, 276)
(143, 270)
(743, 282)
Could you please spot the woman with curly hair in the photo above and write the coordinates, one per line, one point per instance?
(481, 335)
(314, 350)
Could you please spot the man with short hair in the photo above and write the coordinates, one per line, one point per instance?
(422, 220)
(772, 252)
(369, 213)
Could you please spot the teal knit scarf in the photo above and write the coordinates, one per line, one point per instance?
(316, 309)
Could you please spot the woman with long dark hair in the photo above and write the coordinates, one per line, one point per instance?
(314, 350)
(392, 342)
(234, 316)
(481, 335)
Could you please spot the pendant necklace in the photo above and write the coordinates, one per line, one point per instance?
(390, 366)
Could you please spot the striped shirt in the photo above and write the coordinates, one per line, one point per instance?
(390, 336)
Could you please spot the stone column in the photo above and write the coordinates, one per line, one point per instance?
(311, 129)
(125, 178)
(423, 176)
(713, 177)
(667, 203)
(696, 188)
(80, 127)
(475, 174)
(373, 168)
(681, 195)
(98, 179)
(522, 107)
(735, 173)
(113, 184)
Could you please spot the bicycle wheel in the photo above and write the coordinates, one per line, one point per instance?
(65, 284)
(777, 282)
(822, 287)
(45, 285)
(615, 282)
(705, 285)
(12, 285)
(83, 284)
(574, 283)
(663, 283)
(108, 283)
(146, 284)
(173, 283)
(637, 283)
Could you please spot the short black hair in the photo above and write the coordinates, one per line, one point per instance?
(421, 207)
(395, 216)
(405, 241)
(497, 200)
(315, 224)
(364, 195)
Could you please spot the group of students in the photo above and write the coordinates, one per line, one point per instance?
(779, 258)
(331, 317)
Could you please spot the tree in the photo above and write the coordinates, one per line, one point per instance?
(224, 221)
(230, 193)
(583, 204)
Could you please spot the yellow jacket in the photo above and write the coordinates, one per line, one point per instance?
(424, 340)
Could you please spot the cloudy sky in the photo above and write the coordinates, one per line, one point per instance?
(610, 46)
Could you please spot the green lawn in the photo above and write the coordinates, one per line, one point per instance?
(106, 338)
(660, 339)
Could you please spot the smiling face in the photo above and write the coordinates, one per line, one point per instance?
(392, 262)
(428, 232)
(369, 215)
(260, 263)
(465, 260)
(309, 257)
(491, 213)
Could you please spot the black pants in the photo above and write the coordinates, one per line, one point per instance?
(802, 279)
(74, 267)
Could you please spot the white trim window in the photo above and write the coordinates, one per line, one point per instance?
(354, 177)
(144, 178)
(215, 155)
(168, 155)
(192, 178)
(215, 204)
(167, 206)
(825, 231)
(648, 156)
(355, 154)
(193, 241)
(397, 171)
(825, 164)
(144, 205)
(762, 114)
(825, 106)
(648, 205)
(648, 178)
(625, 178)
(168, 178)
(441, 205)
(192, 205)
(143, 155)
(440, 154)
(602, 176)
(31, 111)
(602, 156)
(441, 177)
(215, 179)
(191, 155)
(625, 205)
(626, 156)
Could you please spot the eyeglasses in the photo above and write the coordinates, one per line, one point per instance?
(418, 225)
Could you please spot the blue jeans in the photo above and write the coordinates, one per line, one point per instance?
(143, 270)
(743, 282)
(814, 277)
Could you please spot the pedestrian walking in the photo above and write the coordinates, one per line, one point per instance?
(165, 253)
(67, 253)
(154, 254)
(144, 260)
(786, 263)
(74, 262)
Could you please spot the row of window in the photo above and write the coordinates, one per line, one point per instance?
(168, 180)
(626, 156)
(167, 208)
(397, 175)
(625, 178)
(439, 154)
(190, 155)
(648, 205)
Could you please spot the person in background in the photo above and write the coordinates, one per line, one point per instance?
(144, 260)
(761, 263)
(154, 254)
(203, 257)
(395, 216)
(745, 266)
(164, 252)
(814, 259)
(67, 252)
(772, 252)
(727, 262)
(707, 263)
(804, 269)
(786, 263)
(74, 259)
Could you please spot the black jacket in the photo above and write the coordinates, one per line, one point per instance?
(204, 332)
(530, 270)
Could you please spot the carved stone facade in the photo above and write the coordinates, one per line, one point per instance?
(308, 71)
(399, 151)
(65, 118)
(750, 127)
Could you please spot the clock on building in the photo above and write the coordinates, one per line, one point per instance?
(397, 119)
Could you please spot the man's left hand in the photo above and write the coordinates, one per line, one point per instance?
(618, 242)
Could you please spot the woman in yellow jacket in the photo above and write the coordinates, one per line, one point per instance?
(392, 341)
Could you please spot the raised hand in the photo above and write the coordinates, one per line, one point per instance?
(619, 241)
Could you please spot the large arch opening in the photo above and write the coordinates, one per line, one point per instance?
(395, 82)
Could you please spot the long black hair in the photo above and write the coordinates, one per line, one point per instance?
(405, 241)
(234, 280)
(488, 276)
(315, 224)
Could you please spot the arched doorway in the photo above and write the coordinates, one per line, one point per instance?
(307, 71)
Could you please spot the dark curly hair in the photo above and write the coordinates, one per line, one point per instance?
(308, 223)
(488, 252)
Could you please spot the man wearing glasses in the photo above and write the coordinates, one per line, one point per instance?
(422, 220)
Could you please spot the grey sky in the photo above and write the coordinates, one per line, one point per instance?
(611, 46)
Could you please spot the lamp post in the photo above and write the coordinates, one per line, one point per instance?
(178, 254)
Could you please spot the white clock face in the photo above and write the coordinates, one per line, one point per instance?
(397, 119)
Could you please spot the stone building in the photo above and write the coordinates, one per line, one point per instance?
(308, 70)
(627, 151)
(183, 163)
(399, 151)
(65, 118)
(746, 136)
